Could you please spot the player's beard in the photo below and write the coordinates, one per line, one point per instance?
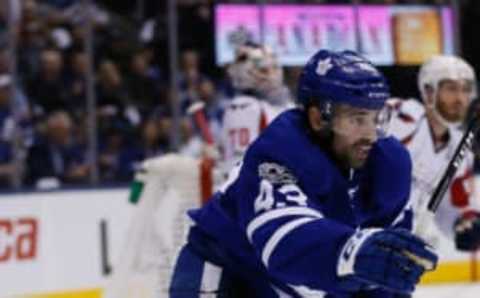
(452, 113)
(351, 154)
(358, 152)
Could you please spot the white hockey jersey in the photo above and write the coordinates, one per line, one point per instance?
(409, 124)
(244, 119)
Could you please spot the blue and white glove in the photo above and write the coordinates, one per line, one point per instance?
(467, 231)
(393, 259)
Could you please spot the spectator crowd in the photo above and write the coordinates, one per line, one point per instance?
(43, 108)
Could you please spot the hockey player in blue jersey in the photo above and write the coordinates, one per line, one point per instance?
(318, 206)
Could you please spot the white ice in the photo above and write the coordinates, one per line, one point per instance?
(470, 290)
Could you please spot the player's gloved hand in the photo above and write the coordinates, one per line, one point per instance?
(394, 259)
(467, 231)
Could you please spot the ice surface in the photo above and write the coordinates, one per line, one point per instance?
(470, 290)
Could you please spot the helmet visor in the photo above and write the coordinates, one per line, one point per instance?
(360, 122)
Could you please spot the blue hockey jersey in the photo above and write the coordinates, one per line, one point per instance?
(281, 219)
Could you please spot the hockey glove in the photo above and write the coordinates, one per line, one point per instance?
(467, 231)
(394, 259)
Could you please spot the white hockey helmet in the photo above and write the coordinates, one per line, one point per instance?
(255, 68)
(444, 67)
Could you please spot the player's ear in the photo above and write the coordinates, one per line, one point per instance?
(315, 119)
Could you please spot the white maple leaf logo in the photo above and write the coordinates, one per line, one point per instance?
(323, 66)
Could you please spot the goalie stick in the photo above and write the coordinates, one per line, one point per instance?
(426, 216)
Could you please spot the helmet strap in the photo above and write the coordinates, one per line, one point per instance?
(327, 111)
(324, 135)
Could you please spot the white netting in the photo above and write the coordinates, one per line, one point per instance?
(172, 185)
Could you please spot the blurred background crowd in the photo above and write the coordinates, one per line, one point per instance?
(46, 119)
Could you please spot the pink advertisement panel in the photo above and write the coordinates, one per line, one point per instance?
(233, 25)
(375, 34)
(387, 35)
(448, 31)
(295, 32)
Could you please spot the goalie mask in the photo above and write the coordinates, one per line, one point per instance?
(349, 91)
(450, 70)
(256, 70)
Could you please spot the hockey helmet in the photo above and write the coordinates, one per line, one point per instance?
(444, 67)
(255, 69)
(342, 77)
(331, 79)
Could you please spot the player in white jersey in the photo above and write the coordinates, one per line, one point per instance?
(431, 131)
(261, 95)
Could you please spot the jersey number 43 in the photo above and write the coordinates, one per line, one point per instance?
(271, 196)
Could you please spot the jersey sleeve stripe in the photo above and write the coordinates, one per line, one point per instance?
(278, 213)
(401, 216)
(280, 293)
(279, 234)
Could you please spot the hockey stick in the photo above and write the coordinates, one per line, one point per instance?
(442, 186)
(198, 114)
(427, 216)
(196, 110)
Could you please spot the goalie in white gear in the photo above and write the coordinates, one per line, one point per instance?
(260, 96)
(431, 132)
